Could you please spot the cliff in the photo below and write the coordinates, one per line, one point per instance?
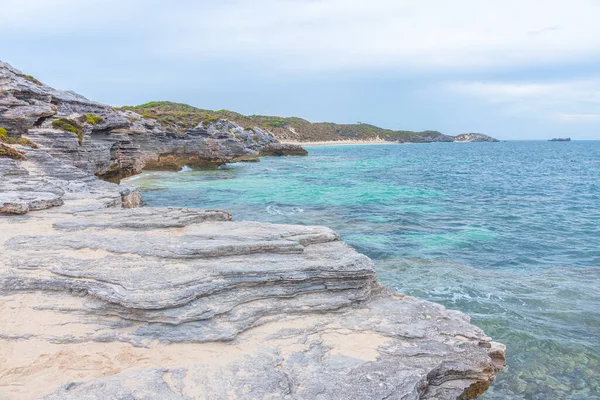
(178, 116)
(103, 299)
(113, 143)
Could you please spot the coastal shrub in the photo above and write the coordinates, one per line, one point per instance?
(255, 138)
(26, 142)
(69, 125)
(31, 79)
(92, 119)
(274, 123)
(4, 138)
(208, 118)
(9, 152)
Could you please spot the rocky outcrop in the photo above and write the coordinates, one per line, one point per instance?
(103, 301)
(100, 298)
(474, 137)
(114, 143)
(283, 149)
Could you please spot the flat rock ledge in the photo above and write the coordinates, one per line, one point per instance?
(98, 301)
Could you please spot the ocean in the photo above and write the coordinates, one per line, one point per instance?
(507, 232)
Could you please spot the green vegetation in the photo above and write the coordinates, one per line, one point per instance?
(92, 119)
(273, 123)
(69, 125)
(3, 133)
(177, 117)
(26, 142)
(9, 152)
(31, 79)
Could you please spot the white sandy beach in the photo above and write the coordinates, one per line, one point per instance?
(338, 142)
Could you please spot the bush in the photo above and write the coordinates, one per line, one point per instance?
(31, 79)
(3, 134)
(26, 142)
(69, 125)
(9, 152)
(274, 123)
(92, 119)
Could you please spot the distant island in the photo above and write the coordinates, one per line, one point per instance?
(560, 140)
(178, 117)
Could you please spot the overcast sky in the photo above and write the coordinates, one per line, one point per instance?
(514, 69)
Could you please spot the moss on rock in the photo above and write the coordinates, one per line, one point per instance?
(9, 152)
(26, 142)
(92, 119)
(69, 125)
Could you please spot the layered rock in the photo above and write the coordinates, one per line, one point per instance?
(474, 137)
(283, 149)
(102, 299)
(113, 143)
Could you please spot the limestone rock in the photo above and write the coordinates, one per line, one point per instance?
(218, 308)
(474, 137)
(117, 143)
(101, 299)
(283, 149)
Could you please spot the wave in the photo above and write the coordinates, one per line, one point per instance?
(275, 210)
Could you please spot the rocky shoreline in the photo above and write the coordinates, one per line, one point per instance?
(102, 298)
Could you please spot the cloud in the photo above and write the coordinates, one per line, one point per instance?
(307, 35)
(580, 117)
(567, 101)
(544, 30)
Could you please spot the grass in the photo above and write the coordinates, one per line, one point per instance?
(31, 79)
(92, 119)
(9, 152)
(26, 142)
(69, 125)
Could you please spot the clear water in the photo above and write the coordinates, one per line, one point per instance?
(507, 232)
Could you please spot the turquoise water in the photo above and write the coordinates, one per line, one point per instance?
(507, 232)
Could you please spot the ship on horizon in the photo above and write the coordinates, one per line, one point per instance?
(568, 139)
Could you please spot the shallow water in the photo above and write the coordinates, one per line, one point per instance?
(507, 232)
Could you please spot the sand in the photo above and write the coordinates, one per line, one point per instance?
(340, 142)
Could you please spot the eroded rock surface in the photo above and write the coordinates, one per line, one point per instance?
(182, 304)
(474, 137)
(115, 143)
(101, 299)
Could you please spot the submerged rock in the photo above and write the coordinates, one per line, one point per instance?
(151, 303)
(102, 299)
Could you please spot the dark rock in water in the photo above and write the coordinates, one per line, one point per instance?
(283, 149)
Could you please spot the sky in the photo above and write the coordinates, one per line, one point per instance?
(513, 69)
